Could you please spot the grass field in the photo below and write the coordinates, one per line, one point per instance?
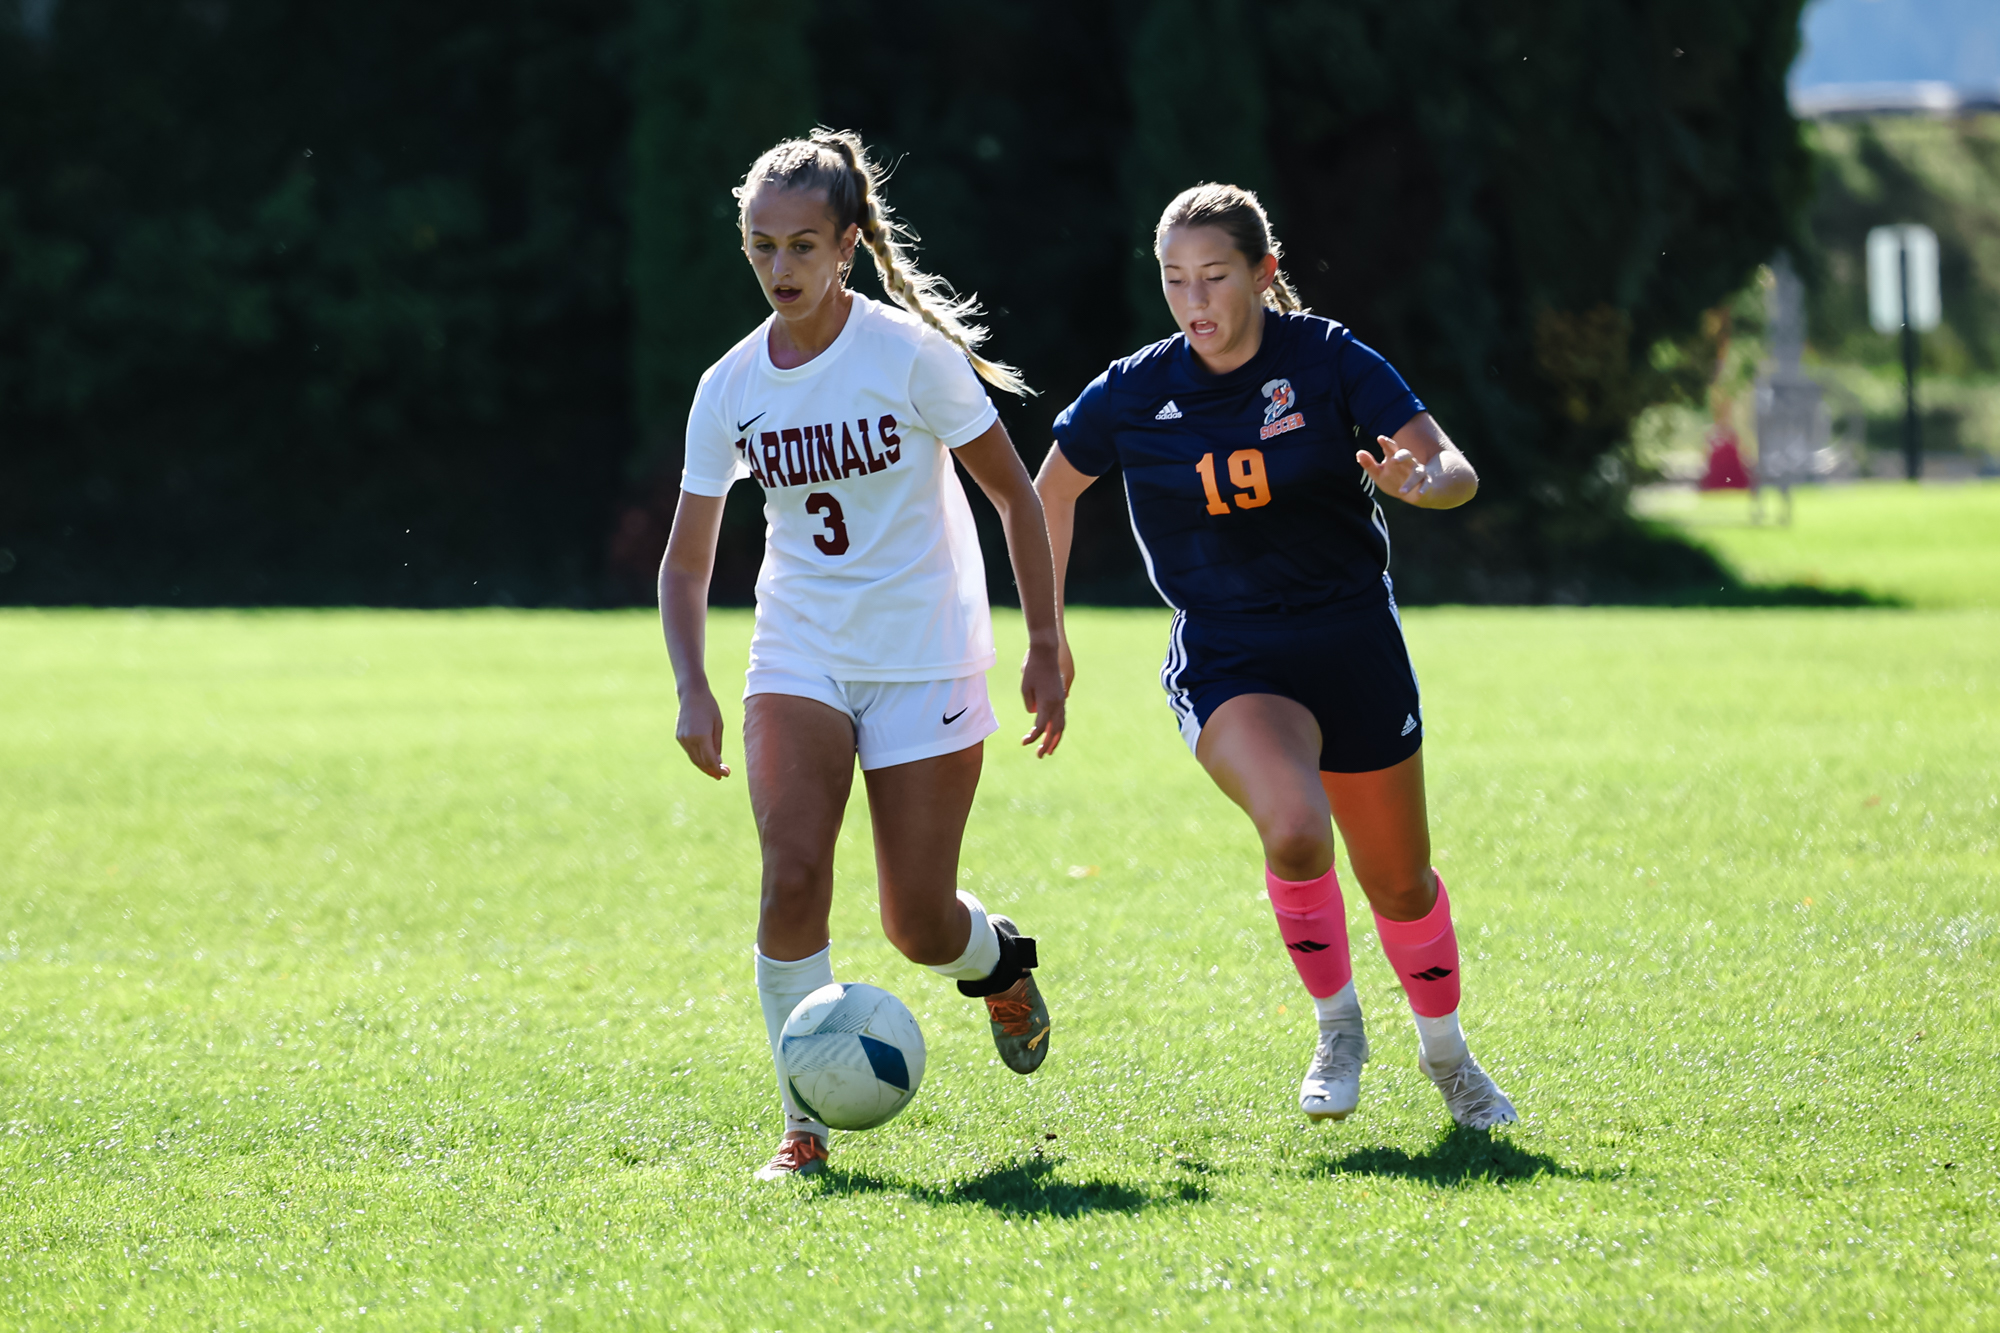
(1930, 546)
(391, 971)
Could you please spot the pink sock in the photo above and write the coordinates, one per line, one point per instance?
(1313, 920)
(1424, 953)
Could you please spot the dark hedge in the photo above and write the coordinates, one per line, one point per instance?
(403, 304)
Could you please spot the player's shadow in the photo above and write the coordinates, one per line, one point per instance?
(1026, 1187)
(1461, 1157)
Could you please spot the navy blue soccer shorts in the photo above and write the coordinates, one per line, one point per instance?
(1348, 667)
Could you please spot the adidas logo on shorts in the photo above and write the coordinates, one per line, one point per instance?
(1409, 723)
(1168, 413)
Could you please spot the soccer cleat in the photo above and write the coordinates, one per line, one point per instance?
(1332, 1086)
(1470, 1094)
(1019, 1016)
(798, 1155)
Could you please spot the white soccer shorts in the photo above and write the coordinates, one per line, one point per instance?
(895, 721)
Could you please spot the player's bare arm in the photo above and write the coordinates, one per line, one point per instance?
(1059, 484)
(1421, 466)
(684, 575)
(997, 467)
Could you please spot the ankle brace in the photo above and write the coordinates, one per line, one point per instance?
(1017, 959)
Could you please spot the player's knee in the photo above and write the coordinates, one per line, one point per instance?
(795, 884)
(1404, 897)
(1298, 846)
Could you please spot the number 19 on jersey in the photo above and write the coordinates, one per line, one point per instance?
(1246, 473)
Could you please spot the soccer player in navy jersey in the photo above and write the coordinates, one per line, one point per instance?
(1259, 523)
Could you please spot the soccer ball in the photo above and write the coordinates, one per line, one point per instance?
(854, 1055)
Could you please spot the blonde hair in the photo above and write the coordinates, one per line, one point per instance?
(837, 162)
(1238, 214)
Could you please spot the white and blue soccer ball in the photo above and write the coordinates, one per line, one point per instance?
(854, 1055)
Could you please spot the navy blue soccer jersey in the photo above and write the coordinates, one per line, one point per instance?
(1244, 492)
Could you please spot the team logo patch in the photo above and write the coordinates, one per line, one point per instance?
(1278, 414)
(1168, 413)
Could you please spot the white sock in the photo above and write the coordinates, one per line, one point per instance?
(1441, 1041)
(1340, 1009)
(982, 947)
(780, 987)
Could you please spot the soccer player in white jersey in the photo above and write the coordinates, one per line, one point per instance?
(872, 636)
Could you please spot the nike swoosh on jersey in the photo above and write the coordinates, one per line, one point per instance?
(955, 716)
(746, 425)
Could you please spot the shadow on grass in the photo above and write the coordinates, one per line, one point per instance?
(1665, 568)
(1027, 1187)
(1749, 595)
(1461, 1157)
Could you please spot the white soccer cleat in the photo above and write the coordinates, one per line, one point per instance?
(1332, 1086)
(1470, 1094)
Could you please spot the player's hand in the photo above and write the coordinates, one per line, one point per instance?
(1398, 472)
(1066, 664)
(699, 731)
(1044, 692)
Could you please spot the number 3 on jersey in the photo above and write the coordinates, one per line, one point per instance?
(1246, 472)
(834, 540)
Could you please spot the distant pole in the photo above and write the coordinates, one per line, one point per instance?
(1913, 439)
(1904, 297)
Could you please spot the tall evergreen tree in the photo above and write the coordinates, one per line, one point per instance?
(1197, 115)
(1526, 206)
(319, 303)
(312, 303)
(715, 83)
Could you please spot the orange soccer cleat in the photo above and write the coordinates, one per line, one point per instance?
(797, 1155)
(1019, 1015)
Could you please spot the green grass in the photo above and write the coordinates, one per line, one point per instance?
(1927, 546)
(392, 971)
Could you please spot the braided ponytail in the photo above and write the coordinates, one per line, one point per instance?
(837, 162)
(1239, 214)
(1281, 297)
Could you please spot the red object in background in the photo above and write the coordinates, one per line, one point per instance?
(1726, 469)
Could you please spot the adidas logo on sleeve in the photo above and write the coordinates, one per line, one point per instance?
(1168, 413)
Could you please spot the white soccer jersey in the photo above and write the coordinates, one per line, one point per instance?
(871, 564)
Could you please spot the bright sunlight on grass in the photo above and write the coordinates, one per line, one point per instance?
(1926, 545)
(392, 971)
